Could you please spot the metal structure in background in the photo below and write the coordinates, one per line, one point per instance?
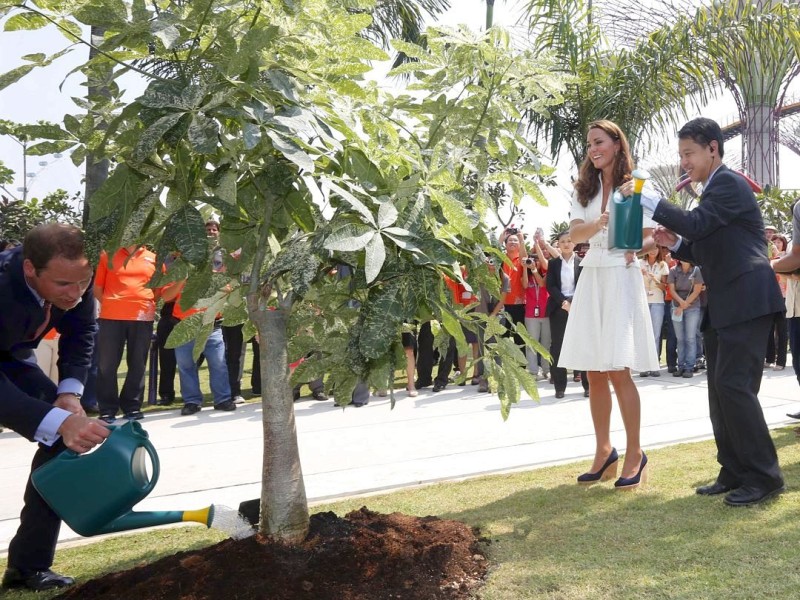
(754, 60)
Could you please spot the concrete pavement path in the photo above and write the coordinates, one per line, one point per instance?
(215, 457)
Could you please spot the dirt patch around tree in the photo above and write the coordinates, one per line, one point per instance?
(364, 556)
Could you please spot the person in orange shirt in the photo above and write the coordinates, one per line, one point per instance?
(127, 312)
(47, 355)
(514, 297)
(464, 297)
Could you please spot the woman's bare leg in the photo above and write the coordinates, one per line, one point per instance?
(600, 406)
(631, 410)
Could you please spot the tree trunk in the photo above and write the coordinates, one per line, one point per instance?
(96, 171)
(284, 507)
(760, 137)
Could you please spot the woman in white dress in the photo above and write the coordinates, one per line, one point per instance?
(609, 330)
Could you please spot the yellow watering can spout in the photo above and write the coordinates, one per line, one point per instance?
(137, 520)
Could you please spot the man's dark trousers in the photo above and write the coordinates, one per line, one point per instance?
(112, 339)
(33, 547)
(734, 367)
(166, 356)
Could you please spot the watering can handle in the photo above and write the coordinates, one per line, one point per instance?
(67, 453)
(156, 467)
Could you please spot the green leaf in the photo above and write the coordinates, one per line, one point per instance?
(185, 331)
(25, 22)
(121, 188)
(454, 213)
(413, 51)
(363, 169)
(352, 201)
(304, 271)
(387, 214)
(168, 33)
(70, 29)
(291, 151)
(381, 320)
(453, 327)
(300, 209)
(14, 75)
(349, 238)
(185, 232)
(227, 187)
(197, 287)
(375, 257)
(203, 134)
(46, 131)
(72, 124)
(153, 135)
(37, 58)
(45, 148)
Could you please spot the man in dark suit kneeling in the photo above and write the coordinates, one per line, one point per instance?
(44, 284)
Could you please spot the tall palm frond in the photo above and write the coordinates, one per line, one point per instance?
(401, 19)
(643, 89)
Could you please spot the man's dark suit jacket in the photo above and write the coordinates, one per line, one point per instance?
(20, 316)
(724, 235)
(553, 282)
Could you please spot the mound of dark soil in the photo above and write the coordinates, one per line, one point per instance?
(365, 556)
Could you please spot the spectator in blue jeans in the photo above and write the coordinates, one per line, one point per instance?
(655, 272)
(214, 351)
(685, 284)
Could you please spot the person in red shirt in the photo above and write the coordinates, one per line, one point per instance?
(127, 312)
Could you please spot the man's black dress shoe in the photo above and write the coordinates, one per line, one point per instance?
(559, 395)
(793, 415)
(712, 489)
(37, 581)
(748, 495)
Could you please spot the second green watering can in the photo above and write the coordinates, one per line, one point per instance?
(625, 216)
(94, 493)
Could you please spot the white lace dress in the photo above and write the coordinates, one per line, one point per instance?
(609, 325)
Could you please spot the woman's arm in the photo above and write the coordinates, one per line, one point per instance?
(579, 231)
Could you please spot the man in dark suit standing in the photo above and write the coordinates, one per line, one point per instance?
(45, 284)
(562, 277)
(724, 235)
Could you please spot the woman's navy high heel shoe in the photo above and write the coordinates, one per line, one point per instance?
(630, 483)
(608, 471)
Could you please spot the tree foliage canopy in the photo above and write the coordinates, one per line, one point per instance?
(265, 117)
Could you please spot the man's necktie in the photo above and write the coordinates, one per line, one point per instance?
(46, 321)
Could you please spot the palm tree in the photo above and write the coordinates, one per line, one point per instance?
(643, 89)
(752, 48)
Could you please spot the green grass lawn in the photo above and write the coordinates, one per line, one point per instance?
(550, 538)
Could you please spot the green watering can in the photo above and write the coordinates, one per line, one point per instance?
(94, 493)
(625, 216)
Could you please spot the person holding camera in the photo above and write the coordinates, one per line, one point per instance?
(536, 321)
(514, 298)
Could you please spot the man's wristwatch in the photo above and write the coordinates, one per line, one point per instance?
(76, 394)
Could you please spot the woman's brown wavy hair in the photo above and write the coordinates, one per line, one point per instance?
(588, 183)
